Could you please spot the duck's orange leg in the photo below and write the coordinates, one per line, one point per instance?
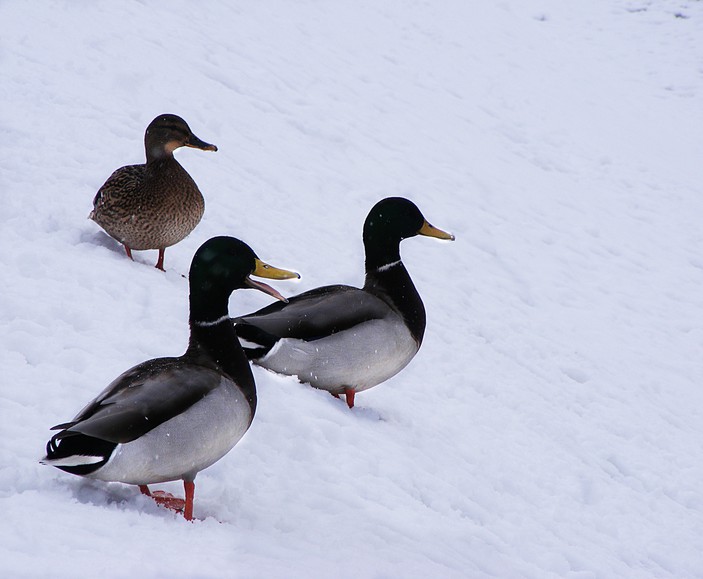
(160, 261)
(190, 494)
(349, 394)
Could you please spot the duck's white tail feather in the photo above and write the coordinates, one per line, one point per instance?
(73, 460)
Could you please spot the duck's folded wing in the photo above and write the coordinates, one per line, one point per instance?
(316, 313)
(143, 398)
(123, 179)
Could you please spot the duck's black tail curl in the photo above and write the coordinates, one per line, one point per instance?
(77, 453)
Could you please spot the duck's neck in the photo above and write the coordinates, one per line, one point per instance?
(158, 153)
(387, 278)
(165, 170)
(212, 335)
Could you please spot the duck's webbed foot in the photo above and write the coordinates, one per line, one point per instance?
(165, 499)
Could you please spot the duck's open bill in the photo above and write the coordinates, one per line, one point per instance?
(270, 272)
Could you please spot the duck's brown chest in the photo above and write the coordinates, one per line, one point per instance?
(158, 211)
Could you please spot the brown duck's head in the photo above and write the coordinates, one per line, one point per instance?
(166, 133)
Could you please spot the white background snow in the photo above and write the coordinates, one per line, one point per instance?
(552, 423)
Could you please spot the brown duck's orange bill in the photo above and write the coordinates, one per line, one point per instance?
(196, 143)
(431, 231)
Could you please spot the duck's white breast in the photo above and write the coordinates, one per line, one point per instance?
(184, 445)
(361, 357)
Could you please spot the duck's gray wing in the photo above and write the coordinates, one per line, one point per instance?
(315, 314)
(143, 398)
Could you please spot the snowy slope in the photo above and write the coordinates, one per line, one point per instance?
(552, 423)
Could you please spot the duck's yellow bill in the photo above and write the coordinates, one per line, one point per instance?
(268, 271)
(431, 231)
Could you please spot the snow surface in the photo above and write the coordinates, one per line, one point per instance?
(552, 423)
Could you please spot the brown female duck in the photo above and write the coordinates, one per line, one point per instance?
(155, 205)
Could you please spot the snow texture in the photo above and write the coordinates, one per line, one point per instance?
(551, 424)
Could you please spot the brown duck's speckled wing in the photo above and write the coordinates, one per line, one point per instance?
(120, 184)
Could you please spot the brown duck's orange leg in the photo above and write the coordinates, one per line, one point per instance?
(167, 499)
(349, 394)
(129, 252)
(160, 261)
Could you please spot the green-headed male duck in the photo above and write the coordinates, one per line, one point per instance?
(344, 339)
(169, 418)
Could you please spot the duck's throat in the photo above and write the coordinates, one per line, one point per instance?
(214, 342)
(391, 282)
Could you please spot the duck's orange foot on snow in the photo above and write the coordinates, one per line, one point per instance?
(165, 499)
(174, 503)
